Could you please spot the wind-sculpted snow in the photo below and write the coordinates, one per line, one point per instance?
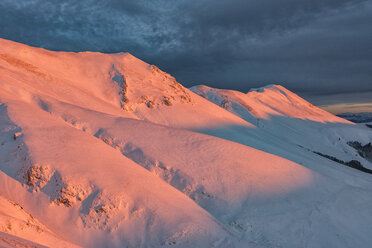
(105, 190)
(106, 150)
(16, 226)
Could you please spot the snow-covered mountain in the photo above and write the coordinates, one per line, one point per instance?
(105, 150)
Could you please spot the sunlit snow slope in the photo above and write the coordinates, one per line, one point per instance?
(289, 122)
(101, 150)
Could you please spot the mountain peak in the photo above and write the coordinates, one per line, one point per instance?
(120, 79)
(269, 86)
(265, 102)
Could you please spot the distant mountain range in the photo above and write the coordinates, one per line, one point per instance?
(105, 150)
(364, 117)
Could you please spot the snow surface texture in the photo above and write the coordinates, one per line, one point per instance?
(101, 150)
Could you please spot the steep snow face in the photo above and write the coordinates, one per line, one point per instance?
(108, 151)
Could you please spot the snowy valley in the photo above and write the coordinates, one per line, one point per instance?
(105, 150)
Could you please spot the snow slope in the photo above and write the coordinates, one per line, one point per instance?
(261, 103)
(18, 226)
(93, 187)
(108, 151)
(288, 121)
(112, 82)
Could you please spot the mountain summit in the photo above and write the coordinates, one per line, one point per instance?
(105, 150)
(271, 100)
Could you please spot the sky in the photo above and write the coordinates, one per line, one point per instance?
(320, 49)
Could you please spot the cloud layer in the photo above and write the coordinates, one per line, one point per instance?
(317, 46)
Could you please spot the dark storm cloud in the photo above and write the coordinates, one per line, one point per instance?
(311, 46)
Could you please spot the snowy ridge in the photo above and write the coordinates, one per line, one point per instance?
(112, 82)
(266, 101)
(282, 115)
(106, 150)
